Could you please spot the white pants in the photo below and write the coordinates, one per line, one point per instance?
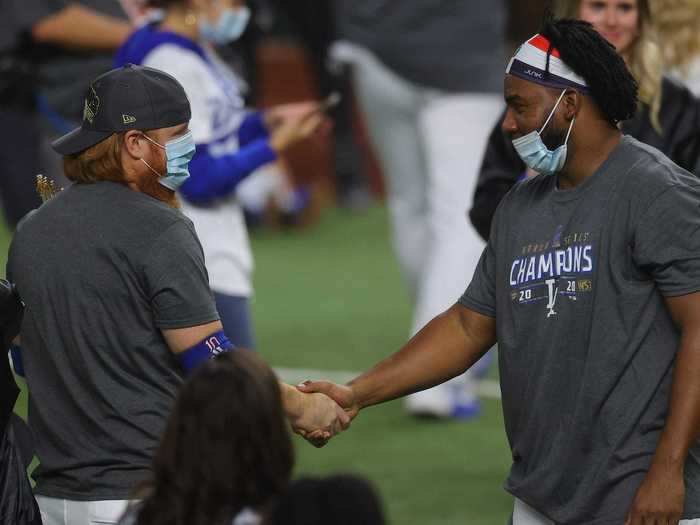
(67, 512)
(430, 145)
(523, 514)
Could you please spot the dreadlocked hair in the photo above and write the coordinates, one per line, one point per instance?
(610, 83)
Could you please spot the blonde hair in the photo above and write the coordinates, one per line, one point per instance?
(645, 59)
(678, 25)
(97, 163)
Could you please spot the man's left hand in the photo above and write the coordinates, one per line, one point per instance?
(659, 499)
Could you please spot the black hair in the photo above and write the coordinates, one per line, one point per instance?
(583, 49)
(226, 446)
(342, 499)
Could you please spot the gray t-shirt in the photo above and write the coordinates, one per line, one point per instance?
(102, 269)
(576, 280)
(453, 45)
(64, 74)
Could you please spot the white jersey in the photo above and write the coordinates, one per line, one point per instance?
(217, 112)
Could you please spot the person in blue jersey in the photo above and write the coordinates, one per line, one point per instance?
(231, 142)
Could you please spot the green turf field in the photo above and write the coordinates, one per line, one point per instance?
(331, 298)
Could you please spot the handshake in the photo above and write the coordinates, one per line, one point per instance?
(319, 410)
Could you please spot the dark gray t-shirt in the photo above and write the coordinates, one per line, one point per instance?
(453, 45)
(102, 269)
(576, 280)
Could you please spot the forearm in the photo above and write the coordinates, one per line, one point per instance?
(683, 423)
(79, 27)
(291, 400)
(444, 348)
(215, 177)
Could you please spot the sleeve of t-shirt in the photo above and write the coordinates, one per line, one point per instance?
(177, 280)
(190, 71)
(480, 295)
(666, 242)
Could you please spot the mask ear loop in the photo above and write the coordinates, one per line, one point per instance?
(552, 112)
(571, 126)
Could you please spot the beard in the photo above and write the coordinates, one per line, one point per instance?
(151, 186)
(553, 136)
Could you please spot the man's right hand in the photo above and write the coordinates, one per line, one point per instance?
(341, 394)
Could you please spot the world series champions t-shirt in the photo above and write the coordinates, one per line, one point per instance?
(576, 280)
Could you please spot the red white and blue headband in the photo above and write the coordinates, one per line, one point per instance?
(530, 63)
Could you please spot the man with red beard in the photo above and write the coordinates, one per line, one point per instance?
(117, 300)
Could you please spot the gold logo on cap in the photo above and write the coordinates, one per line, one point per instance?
(92, 105)
(128, 119)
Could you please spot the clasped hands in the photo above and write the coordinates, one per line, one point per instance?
(320, 410)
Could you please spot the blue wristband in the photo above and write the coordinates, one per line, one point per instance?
(208, 348)
(16, 356)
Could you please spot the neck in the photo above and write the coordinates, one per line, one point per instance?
(587, 157)
(182, 21)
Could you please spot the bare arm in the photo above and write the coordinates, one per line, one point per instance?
(306, 413)
(79, 27)
(661, 494)
(446, 347)
(181, 339)
(683, 424)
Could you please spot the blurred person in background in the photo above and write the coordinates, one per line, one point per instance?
(341, 499)
(668, 117)
(678, 24)
(118, 308)
(19, 143)
(315, 24)
(232, 143)
(427, 76)
(74, 43)
(226, 453)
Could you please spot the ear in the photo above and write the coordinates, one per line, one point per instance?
(135, 145)
(572, 102)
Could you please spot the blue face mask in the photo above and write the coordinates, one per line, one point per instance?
(228, 28)
(535, 153)
(178, 153)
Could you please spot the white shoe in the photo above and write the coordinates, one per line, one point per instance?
(455, 398)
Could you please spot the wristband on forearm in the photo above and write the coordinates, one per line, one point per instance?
(208, 348)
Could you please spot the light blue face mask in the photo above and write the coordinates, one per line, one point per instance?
(228, 28)
(535, 153)
(178, 153)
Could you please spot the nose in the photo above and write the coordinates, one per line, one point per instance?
(508, 126)
(610, 17)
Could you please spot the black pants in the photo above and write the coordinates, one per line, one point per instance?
(17, 503)
(19, 163)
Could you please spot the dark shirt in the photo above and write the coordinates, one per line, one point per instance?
(453, 45)
(577, 281)
(102, 270)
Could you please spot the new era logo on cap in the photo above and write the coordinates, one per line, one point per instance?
(128, 119)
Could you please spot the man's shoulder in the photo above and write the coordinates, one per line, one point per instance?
(651, 172)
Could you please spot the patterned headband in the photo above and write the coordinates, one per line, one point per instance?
(530, 63)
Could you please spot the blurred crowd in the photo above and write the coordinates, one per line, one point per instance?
(399, 100)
